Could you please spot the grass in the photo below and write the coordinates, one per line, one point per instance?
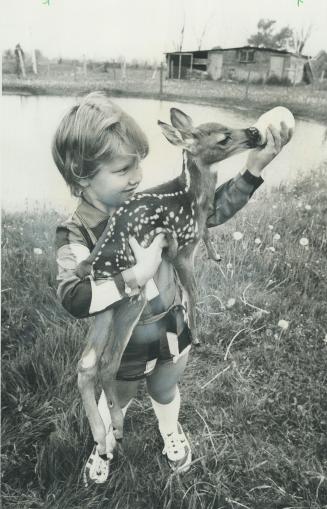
(307, 101)
(254, 397)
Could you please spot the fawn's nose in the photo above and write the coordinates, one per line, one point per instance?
(253, 137)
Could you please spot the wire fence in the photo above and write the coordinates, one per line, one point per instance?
(304, 99)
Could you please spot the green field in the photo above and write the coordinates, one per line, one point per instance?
(254, 395)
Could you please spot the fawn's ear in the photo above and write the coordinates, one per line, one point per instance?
(171, 133)
(180, 120)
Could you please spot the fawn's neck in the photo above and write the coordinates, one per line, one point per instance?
(198, 181)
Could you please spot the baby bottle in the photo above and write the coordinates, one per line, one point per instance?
(274, 117)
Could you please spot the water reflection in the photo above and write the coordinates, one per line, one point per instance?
(29, 174)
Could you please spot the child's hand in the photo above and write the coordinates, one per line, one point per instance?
(261, 156)
(147, 259)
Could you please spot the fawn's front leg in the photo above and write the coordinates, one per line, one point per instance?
(87, 370)
(125, 318)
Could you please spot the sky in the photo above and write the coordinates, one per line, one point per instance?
(145, 29)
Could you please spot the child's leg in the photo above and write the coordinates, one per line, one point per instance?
(163, 391)
(165, 397)
(126, 390)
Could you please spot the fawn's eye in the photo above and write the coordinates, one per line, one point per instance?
(224, 141)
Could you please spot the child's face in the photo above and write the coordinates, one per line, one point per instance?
(115, 181)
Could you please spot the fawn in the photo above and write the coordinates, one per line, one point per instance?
(179, 208)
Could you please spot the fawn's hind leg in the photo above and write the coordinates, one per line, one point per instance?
(87, 370)
(212, 253)
(125, 318)
(184, 268)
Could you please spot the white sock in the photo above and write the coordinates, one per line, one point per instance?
(167, 415)
(104, 410)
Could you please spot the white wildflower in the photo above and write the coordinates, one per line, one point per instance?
(258, 241)
(229, 266)
(304, 241)
(283, 324)
(272, 249)
(307, 207)
(276, 236)
(270, 226)
(230, 303)
(37, 251)
(237, 235)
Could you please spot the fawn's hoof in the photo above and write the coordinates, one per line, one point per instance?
(196, 342)
(83, 269)
(217, 258)
(118, 434)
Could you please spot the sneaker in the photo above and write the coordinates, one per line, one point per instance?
(96, 470)
(177, 450)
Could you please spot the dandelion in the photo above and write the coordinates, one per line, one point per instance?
(304, 241)
(276, 236)
(283, 324)
(230, 303)
(37, 251)
(237, 235)
(258, 241)
(270, 226)
(307, 207)
(229, 266)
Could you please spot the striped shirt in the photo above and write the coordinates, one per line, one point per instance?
(77, 236)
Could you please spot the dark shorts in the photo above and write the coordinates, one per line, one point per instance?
(163, 340)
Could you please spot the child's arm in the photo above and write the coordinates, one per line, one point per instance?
(82, 298)
(231, 196)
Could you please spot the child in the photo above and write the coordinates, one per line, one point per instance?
(97, 149)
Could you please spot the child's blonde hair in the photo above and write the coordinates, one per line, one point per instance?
(94, 131)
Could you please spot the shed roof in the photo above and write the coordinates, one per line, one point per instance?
(258, 48)
(203, 53)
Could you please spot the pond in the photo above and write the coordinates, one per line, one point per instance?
(29, 176)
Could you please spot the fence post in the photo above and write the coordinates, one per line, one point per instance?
(247, 85)
(21, 63)
(34, 63)
(161, 79)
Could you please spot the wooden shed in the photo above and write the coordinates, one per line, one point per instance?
(243, 63)
(182, 64)
(255, 64)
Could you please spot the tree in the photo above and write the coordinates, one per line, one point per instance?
(267, 37)
(300, 39)
(179, 43)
